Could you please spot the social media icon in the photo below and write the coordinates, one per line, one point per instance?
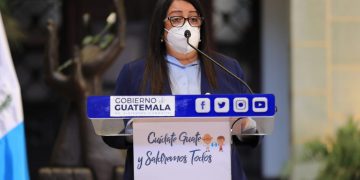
(202, 105)
(221, 105)
(241, 105)
(260, 104)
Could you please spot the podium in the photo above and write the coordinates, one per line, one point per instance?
(182, 136)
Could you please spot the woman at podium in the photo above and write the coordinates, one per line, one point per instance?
(172, 66)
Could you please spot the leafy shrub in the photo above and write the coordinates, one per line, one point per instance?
(341, 157)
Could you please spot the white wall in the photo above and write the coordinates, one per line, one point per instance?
(276, 80)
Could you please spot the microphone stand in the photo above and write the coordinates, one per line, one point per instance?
(188, 34)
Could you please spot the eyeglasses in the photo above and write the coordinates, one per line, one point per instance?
(179, 21)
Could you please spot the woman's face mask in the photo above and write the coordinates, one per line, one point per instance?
(176, 39)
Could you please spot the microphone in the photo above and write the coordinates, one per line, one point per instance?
(187, 34)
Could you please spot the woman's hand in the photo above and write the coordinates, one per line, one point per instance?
(244, 126)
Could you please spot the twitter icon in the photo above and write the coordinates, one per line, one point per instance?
(221, 105)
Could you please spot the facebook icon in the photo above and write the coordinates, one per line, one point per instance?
(202, 105)
(260, 104)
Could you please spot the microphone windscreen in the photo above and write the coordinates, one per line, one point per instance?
(187, 33)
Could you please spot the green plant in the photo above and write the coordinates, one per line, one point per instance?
(341, 157)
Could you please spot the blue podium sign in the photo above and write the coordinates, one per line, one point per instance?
(226, 105)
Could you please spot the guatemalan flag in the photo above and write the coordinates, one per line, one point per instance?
(13, 163)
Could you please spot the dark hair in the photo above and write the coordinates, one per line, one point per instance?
(156, 70)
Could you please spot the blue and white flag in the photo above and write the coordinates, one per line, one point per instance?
(13, 161)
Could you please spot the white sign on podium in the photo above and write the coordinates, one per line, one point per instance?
(182, 148)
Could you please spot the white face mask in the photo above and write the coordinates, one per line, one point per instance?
(176, 39)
